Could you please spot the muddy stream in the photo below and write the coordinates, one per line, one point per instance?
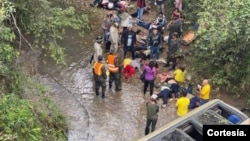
(118, 117)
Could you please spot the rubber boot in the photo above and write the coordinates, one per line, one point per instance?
(103, 95)
(97, 93)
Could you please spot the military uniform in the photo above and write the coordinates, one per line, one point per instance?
(100, 77)
(113, 68)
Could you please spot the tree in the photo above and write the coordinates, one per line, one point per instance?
(35, 24)
(222, 47)
(45, 21)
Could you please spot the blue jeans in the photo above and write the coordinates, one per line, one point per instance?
(105, 35)
(154, 50)
(139, 13)
(162, 24)
(143, 24)
(203, 101)
(164, 94)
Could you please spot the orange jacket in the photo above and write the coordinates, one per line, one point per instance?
(111, 63)
(98, 68)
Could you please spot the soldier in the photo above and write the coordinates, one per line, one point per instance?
(113, 68)
(174, 50)
(100, 76)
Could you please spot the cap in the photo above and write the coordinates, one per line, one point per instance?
(116, 23)
(99, 38)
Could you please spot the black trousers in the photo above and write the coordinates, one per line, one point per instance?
(100, 83)
(114, 77)
(151, 86)
(152, 123)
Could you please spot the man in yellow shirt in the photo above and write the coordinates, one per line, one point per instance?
(182, 104)
(204, 91)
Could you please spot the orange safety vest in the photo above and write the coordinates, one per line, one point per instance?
(98, 68)
(111, 63)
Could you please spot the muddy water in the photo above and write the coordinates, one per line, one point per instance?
(120, 116)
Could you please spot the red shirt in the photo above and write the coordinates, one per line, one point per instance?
(128, 71)
(141, 3)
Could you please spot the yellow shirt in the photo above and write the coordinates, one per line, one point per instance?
(179, 75)
(205, 92)
(182, 106)
(126, 61)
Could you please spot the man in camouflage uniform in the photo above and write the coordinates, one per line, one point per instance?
(174, 50)
(100, 76)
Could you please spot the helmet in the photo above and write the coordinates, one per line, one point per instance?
(99, 38)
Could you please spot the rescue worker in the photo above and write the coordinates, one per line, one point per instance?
(99, 72)
(113, 68)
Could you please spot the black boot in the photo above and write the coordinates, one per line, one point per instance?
(103, 95)
(97, 93)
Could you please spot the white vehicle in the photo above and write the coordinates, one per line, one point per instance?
(189, 127)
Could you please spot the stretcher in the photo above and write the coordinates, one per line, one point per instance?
(188, 37)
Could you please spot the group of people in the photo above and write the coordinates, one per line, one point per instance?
(119, 38)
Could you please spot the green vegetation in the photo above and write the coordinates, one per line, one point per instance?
(220, 51)
(29, 25)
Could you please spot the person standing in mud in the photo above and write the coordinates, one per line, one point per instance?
(128, 41)
(160, 5)
(152, 114)
(120, 56)
(106, 27)
(100, 76)
(154, 41)
(114, 36)
(97, 48)
(141, 4)
(113, 67)
(150, 74)
(173, 50)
